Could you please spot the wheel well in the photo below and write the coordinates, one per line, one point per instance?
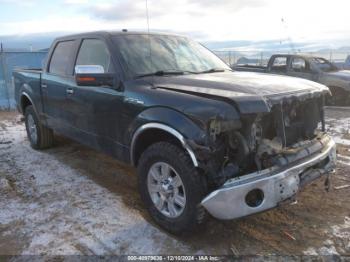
(149, 137)
(24, 103)
(336, 88)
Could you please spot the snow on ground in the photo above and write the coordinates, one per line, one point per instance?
(339, 127)
(340, 130)
(73, 200)
(342, 233)
(67, 212)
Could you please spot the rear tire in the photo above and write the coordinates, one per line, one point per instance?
(40, 137)
(172, 196)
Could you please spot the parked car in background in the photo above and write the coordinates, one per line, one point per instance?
(316, 69)
(203, 138)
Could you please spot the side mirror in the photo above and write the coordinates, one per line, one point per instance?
(94, 75)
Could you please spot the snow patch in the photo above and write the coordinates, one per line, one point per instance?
(339, 233)
(65, 212)
(338, 128)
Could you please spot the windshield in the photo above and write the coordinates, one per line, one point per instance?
(167, 53)
(324, 64)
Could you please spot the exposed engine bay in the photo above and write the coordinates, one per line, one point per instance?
(264, 140)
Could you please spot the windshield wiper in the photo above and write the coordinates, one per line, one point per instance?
(161, 73)
(214, 70)
(168, 72)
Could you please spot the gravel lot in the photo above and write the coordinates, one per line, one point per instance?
(73, 200)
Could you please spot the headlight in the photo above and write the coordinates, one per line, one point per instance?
(219, 126)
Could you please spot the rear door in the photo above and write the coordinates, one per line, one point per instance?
(279, 65)
(54, 85)
(96, 112)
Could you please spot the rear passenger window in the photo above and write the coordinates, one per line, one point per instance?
(280, 64)
(61, 58)
(95, 52)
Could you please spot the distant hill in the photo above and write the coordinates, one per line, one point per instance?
(277, 46)
(43, 41)
(33, 42)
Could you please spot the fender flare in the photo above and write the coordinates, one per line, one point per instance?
(25, 94)
(165, 128)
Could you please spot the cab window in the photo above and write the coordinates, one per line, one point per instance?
(61, 58)
(95, 52)
(299, 65)
(279, 64)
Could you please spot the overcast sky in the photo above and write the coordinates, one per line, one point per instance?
(205, 20)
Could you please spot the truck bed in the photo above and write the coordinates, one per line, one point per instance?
(29, 77)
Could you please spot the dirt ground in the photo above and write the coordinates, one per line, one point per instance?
(73, 200)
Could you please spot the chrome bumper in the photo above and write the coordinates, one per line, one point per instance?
(271, 186)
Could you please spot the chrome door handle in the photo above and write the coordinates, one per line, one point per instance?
(70, 91)
(44, 85)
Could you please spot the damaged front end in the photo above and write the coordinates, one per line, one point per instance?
(264, 159)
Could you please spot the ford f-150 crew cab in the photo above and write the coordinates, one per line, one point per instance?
(204, 139)
(316, 69)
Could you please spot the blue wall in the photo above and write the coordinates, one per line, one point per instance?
(10, 61)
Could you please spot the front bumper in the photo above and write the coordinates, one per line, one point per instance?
(270, 186)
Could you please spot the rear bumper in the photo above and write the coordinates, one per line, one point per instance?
(270, 186)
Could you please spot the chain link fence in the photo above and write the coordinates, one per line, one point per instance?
(10, 61)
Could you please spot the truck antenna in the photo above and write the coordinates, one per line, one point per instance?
(291, 44)
(149, 38)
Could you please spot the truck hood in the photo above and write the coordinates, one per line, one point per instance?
(251, 92)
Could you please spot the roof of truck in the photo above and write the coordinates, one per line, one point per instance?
(113, 33)
(298, 55)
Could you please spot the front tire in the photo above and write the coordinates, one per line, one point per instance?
(39, 136)
(171, 188)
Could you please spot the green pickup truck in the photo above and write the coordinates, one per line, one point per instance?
(204, 139)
